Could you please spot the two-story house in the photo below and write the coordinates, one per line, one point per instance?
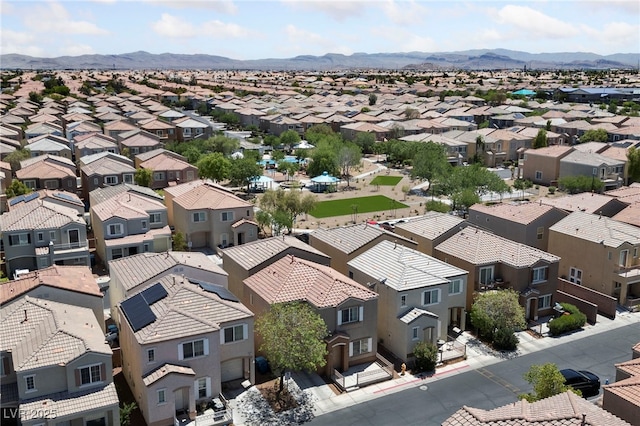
(56, 365)
(599, 253)
(94, 143)
(495, 262)
(189, 128)
(609, 170)
(167, 168)
(129, 223)
(420, 297)
(430, 229)
(180, 341)
(349, 309)
(39, 234)
(104, 169)
(48, 171)
(165, 130)
(210, 215)
(138, 141)
(542, 166)
(49, 144)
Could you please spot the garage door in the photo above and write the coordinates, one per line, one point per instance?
(232, 370)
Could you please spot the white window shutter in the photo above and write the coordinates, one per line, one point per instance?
(369, 343)
(180, 352)
(339, 317)
(205, 343)
(222, 336)
(245, 331)
(361, 313)
(208, 387)
(350, 349)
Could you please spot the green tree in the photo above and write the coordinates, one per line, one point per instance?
(243, 170)
(318, 132)
(125, 412)
(578, 184)
(349, 157)
(540, 141)
(430, 163)
(426, 354)
(292, 338)
(464, 198)
(324, 158)
(411, 113)
(222, 144)
(288, 168)
(285, 206)
(613, 107)
(522, 185)
(179, 242)
(547, 381)
(365, 141)
(214, 166)
(143, 177)
(17, 188)
(290, 138)
(373, 99)
(16, 157)
(633, 155)
(497, 315)
(597, 135)
(192, 154)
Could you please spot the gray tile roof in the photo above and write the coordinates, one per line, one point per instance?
(432, 224)
(350, 238)
(257, 252)
(127, 205)
(102, 194)
(413, 314)
(404, 268)
(164, 370)
(479, 247)
(106, 165)
(39, 214)
(587, 202)
(596, 228)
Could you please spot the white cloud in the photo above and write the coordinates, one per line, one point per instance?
(335, 9)
(224, 30)
(532, 23)
(54, 18)
(615, 34)
(18, 42)
(404, 12)
(177, 27)
(174, 27)
(221, 6)
(76, 50)
(401, 40)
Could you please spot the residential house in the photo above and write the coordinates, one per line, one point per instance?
(48, 171)
(138, 142)
(420, 297)
(608, 258)
(622, 397)
(128, 223)
(348, 309)
(114, 128)
(345, 243)
(280, 124)
(56, 365)
(495, 262)
(93, 143)
(588, 202)
(189, 128)
(132, 274)
(74, 285)
(209, 215)
(609, 170)
(38, 234)
(165, 130)
(430, 229)
(351, 130)
(241, 262)
(525, 223)
(180, 341)
(104, 169)
(39, 129)
(49, 144)
(542, 166)
(167, 167)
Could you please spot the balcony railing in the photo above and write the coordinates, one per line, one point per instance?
(492, 285)
(70, 246)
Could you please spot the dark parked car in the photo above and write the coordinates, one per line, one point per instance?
(584, 381)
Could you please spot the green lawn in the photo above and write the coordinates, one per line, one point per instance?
(386, 180)
(374, 203)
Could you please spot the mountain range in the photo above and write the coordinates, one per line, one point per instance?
(478, 59)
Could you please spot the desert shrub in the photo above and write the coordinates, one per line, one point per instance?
(552, 190)
(426, 355)
(573, 319)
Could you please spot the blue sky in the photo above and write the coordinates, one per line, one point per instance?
(242, 29)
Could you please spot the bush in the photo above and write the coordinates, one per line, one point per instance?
(505, 340)
(552, 190)
(426, 355)
(573, 319)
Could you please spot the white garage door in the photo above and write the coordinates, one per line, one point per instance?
(232, 370)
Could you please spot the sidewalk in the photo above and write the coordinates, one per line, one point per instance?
(316, 398)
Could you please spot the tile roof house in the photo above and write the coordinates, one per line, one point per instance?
(138, 142)
(168, 168)
(48, 171)
(588, 202)
(497, 262)
(345, 243)
(209, 215)
(542, 165)
(565, 409)
(420, 297)
(242, 261)
(430, 229)
(54, 355)
(348, 309)
(622, 398)
(132, 274)
(193, 337)
(74, 285)
(49, 144)
(608, 260)
(94, 143)
(38, 234)
(188, 128)
(104, 169)
(62, 198)
(166, 131)
(609, 170)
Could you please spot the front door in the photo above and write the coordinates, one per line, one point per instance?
(532, 313)
(240, 238)
(74, 238)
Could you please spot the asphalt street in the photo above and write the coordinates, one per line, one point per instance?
(432, 401)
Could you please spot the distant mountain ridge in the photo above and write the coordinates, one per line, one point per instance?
(468, 59)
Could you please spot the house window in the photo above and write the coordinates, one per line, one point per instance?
(403, 300)
(199, 217)
(128, 178)
(190, 175)
(144, 225)
(224, 240)
(151, 356)
(157, 176)
(96, 181)
(52, 235)
(51, 184)
(635, 252)
(203, 387)
(431, 297)
(194, 349)
(155, 218)
(359, 347)
(115, 229)
(575, 275)
(540, 232)
(31, 184)
(146, 247)
(111, 180)
(90, 374)
(486, 275)
(135, 151)
(350, 315)
(624, 254)
(227, 216)
(40, 236)
(235, 333)
(539, 275)
(20, 239)
(414, 333)
(455, 286)
(544, 302)
(538, 175)
(162, 396)
(30, 383)
(159, 133)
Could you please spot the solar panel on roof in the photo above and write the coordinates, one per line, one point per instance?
(16, 200)
(64, 196)
(31, 196)
(137, 312)
(222, 292)
(154, 293)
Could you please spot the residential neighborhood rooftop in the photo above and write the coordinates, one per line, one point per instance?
(597, 228)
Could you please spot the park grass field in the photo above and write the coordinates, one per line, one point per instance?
(386, 180)
(343, 207)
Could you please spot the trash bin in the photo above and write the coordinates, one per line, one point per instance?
(262, 365)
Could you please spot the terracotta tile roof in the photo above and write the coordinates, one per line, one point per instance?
(166, 162)
(565, 409)
(479, 247)
(73, 278)
(106, 165)
(587, 202)
(293, 279)
(200, 194)
(523, 213)
(413, 314)
(127, 205)
(242, 222)
(164, 370)
(554, 151)
(139, 238)
(39, 214)
(630, 214)
(597, 229)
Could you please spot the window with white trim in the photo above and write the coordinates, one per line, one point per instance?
(544, 302)
(235, 333)
(111, 180)
(360, 347)
(199, 217)
(486, 275)
(431, 297)
(127, 178)
(31, 184)
(224, 240)
(226, 216)
(52, 235)
(144, 224)
(193, 349)
(30, 383)
(40, 236)
(635, 252)
(575, 275)
(115, 229)
(350, 315)
(538, 175)
(415, 333)
(203, 387)
(155, 218)
(190, 175)
(162, 396)
(455, 286)
(539, 274)
(151, 355)
(622, 260)
(90, 374)
(116, 253)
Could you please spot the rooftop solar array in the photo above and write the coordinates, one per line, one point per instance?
(16, 200)
(65, 197)
(154, 293)
(137, 311)
(31, 196)
(222, 292)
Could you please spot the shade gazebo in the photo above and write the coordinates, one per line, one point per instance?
(260, 184)
(325, 183)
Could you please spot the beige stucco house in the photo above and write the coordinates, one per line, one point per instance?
(430, 229)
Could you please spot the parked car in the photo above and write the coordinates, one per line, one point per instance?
(584, 381)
